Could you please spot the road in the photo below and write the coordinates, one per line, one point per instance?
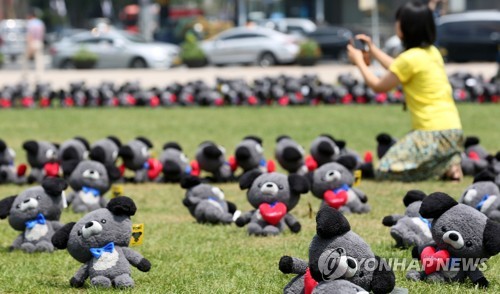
(327, 72)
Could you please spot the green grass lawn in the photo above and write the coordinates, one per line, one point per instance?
(192, 258)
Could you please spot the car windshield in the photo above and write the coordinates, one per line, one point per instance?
(133, 38)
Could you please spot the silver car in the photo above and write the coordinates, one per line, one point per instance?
(251, 45)
(13, 38)
(115, 49)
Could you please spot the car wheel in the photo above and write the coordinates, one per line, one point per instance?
(138, 63)
(67, 64)
(266, 59)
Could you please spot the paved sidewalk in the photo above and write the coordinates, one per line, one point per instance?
(326, 72)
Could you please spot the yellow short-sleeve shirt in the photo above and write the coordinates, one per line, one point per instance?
(427, 90)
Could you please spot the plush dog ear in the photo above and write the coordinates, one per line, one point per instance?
(331, 222)
(279, 138)
(113, 172)
(115, 140)
(61, 237)
(54, 186)
(68, 166)
(98, 154)
(84, 142)
(247, 179)
(291, 154)
(126, 152)
(189, 182)
(413, 196)
(254, 138)
(434, 205)
(3, 146)
(470, 141)
(383, 280)
(298, 184)
(31, 146)
(173, 145)
(485, 176)
(6, 205)
(328, 136)
(56, 145)
(341, 144)
(497, 156)
(325, 148)
(348, 161)
(212, 151)
(122, 205)
(145, 141)
(242, 153)
(491, 237)
(69, 153)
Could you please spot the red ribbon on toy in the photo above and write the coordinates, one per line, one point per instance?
(335, 198)
(233, 163)
(154, 168)
(309, 282)
(432, 259)
(195, 168)
(273, 213)
(51, 169)
(310, 163)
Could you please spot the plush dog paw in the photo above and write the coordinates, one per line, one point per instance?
(482, 282)
(388, 221)
(240, 222)
(286, 264)
(144, 265)
(414, 252)
(295, 228)
(76, 283)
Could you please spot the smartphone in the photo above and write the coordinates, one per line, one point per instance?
(360, 44)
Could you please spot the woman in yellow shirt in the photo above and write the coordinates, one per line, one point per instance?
(433, 146)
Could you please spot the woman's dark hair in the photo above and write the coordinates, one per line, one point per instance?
(417, 24)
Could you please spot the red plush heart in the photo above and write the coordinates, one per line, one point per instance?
(51, 169)
(233, 163)
(271, 166)
(431, 259)
(195, 168)
(21, 170)
(311, 163)
(335, 200)
(273, 213)
(474, 156)
(155, 168)
(309, 282)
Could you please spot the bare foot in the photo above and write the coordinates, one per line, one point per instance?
(454, 174)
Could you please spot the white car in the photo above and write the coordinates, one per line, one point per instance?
(13, 38)
(115, 49)
(297, 26)
(251, 45)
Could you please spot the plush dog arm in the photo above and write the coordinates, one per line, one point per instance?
(136, 260)
(190, 201)
(292, 223)
(293, 265)
(391, 220)
(17, 242)
(417, 250)
(244, 218)
(56, 225)
(477, 278)
(361, 195)
(71, 196)
(79, 278)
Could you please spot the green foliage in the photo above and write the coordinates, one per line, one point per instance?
(309, 49)
(1, 59)
(190, 258)
(84, 56)
(190, 49)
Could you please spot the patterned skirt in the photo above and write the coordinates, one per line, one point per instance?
(421, 155)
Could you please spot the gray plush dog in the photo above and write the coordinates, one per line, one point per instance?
(249, 155)
(90, 180)
(8, 171)
(212, 158)
(410, 229)
(137, 157)
(333, 182)
(35, 212)
(273, 195)
(206, 203)
(463, 239)
(290, 155)
(106, 150)
(175, 164)
(474, 157)
(71, 152)
(483, 195)
(336, 253)
(324, 149)
(42, 157)
(100, 241)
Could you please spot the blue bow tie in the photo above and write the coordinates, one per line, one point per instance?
(427, 222)
(145, 165)
(94, 192)
(344, 187)
(263, 162)
(40, 219)
(479, 206)
(188, 170)
(97, 252)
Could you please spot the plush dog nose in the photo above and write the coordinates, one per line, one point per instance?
(453, 237)
(88, 225)
(269, 185)
(26, 201)
(351, 263)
